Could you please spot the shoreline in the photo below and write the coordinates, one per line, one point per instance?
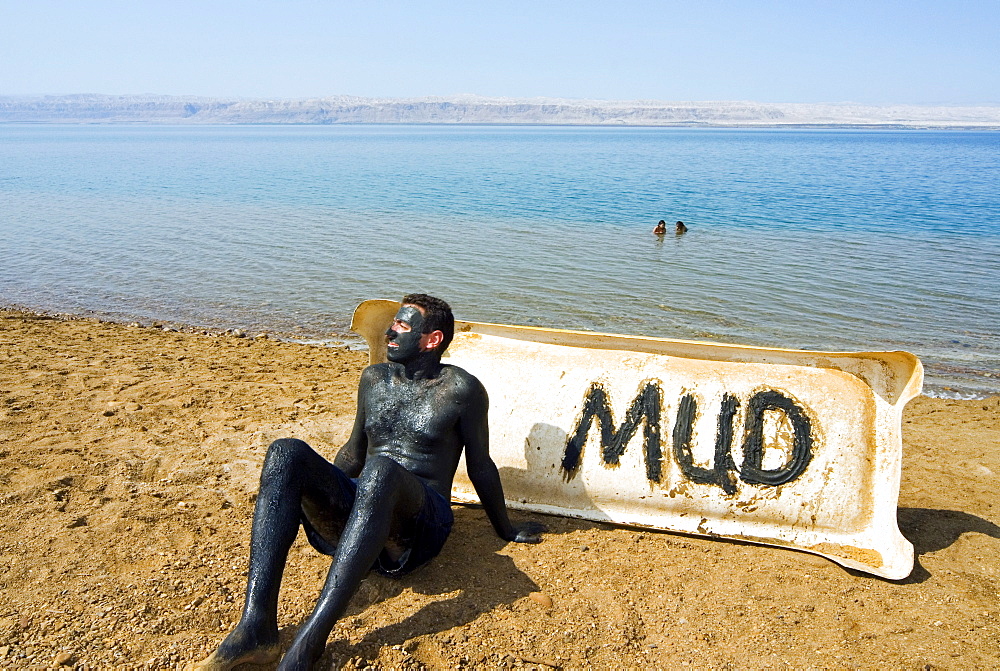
(346, 340)
(132, 456)
(354, 342)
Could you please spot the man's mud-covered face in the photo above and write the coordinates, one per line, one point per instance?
(405, 335)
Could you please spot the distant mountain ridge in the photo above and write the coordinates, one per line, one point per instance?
(94, 108)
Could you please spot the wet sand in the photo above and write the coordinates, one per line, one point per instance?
(128, 465)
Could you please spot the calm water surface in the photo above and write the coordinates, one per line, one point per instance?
(834, 240)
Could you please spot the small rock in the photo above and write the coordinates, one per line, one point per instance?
(63, 659)
(541, 598)
(77, 522)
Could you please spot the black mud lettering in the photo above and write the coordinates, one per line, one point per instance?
(724, 467)
(721, 472)
(645, 406)
(752, 470)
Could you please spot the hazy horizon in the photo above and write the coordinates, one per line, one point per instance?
(468, 109)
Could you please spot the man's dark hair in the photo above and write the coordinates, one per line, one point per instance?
(437, 317)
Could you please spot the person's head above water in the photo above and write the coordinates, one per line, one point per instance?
(423, 324)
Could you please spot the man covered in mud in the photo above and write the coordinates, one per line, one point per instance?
(384, 504)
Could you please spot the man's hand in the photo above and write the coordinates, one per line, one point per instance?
(528, 532)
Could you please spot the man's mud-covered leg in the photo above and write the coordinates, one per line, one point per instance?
(293, 473)
(388, 498)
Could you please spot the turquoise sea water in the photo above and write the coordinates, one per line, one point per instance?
(814, 239)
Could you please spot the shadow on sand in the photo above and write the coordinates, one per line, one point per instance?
(931, 530)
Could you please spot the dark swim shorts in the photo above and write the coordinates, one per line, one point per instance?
(424, 536)
(424, 539)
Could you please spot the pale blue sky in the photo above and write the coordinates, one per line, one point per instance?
(943, 52)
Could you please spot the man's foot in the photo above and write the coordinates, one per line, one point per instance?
(305, 651)
(300, 660)
(217, 662)
(239, 648)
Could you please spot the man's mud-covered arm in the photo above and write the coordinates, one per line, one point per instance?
(483, 472)
(351, 457)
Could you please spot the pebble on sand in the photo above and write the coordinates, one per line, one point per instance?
(63, 659)
(541, 598)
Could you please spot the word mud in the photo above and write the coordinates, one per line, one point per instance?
(645, 409)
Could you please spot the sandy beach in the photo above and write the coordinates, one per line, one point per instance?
(129, 459)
